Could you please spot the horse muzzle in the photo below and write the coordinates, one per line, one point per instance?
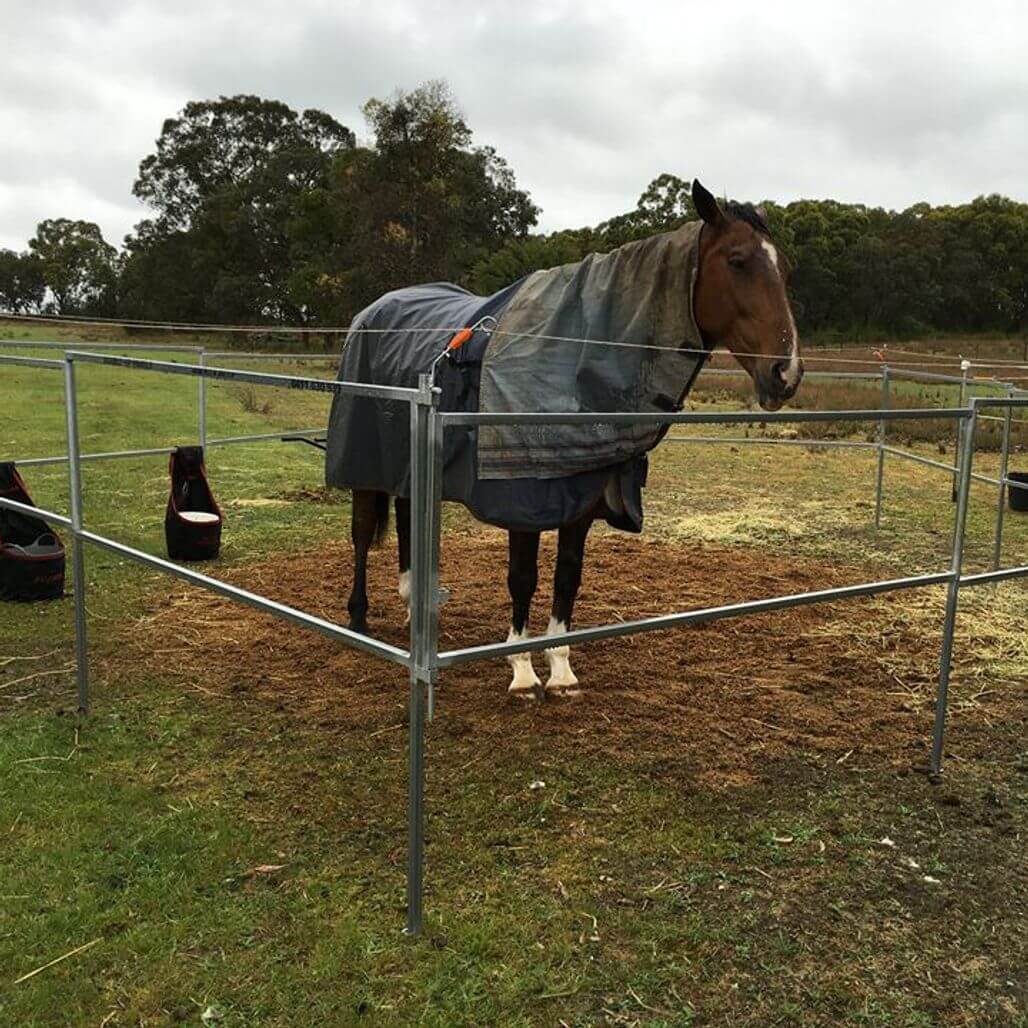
(776, 386)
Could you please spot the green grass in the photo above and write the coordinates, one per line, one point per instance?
(625, 892)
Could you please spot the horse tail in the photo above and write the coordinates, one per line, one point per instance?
(381, 518)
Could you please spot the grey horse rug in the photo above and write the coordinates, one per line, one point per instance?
(614, 332)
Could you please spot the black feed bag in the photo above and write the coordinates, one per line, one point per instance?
(1018, 496)
(31, 554)
(192, 523)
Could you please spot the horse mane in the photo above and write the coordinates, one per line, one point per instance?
(748, 213)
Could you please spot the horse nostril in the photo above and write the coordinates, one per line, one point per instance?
(779, 370)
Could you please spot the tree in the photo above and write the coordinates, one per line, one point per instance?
(242, 146)
(79, 267)
(323, 268)
(427, 204)
(228, 180)
(521, 257)
(664, 205)
(261, 213)
(162, 277)
(22, 288)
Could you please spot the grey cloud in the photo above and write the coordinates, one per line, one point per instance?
(878, 102)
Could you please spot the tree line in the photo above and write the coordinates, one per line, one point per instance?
(260, 214)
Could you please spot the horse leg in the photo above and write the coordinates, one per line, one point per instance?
(522, 576)
(566, 580)
(403, 549)
(369, 520)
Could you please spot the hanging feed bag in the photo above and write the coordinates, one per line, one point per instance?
(31, 554)
(192, 523)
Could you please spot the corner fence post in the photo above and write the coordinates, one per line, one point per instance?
(78, 563)
(426, 488)
(1004, 465)
(966, 450)
(202, 400)
(881, 446)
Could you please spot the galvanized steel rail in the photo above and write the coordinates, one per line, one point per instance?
(31, 362)
(702, 417)
(158, 450)
(693, 617)
(316, 385)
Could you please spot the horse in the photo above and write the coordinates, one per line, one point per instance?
(738, 301)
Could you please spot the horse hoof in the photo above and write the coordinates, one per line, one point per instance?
(562, 681)
(360, 627)
(562, 692)
(526, 693)
(525, 684)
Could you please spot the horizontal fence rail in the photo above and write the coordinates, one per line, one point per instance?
(158, 450)
(233, 592)
(247, 355)
(989, 577)
(318, 385)
(828, 444)
(929, 376)
(864, 376)
(35, 512)
(663, 622)
(990, 401)
(952, 468)
(31, 362)
(701, 417)
(692, 617)
(15, 344)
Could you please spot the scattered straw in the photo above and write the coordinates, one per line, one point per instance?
(37, 674)
(57, 960)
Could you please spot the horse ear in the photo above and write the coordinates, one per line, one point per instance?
(761, 212)
(705, 203)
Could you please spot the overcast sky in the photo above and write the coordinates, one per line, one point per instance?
(884, 103)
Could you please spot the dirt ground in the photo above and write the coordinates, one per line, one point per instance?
(851, 681)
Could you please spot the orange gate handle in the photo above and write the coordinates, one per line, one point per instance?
(460, 339)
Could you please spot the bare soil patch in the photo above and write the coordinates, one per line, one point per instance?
(852, 681)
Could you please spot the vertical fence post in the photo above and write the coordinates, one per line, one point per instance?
(953, 592)
(78, 563)
(202, 401)
(426, 488)
(433, 527)
(1004, 463)
(965, 366)
(881, 446)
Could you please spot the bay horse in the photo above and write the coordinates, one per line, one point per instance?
(740, 303)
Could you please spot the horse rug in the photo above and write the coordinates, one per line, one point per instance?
(614, 332)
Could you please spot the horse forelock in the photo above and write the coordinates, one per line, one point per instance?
(748, 213)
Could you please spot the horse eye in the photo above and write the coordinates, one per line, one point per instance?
(737, 260)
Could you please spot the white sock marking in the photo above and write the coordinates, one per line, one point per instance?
(561, 675)
(525, 679)
(403, 587)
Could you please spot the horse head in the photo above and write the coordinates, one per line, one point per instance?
(740, 300)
